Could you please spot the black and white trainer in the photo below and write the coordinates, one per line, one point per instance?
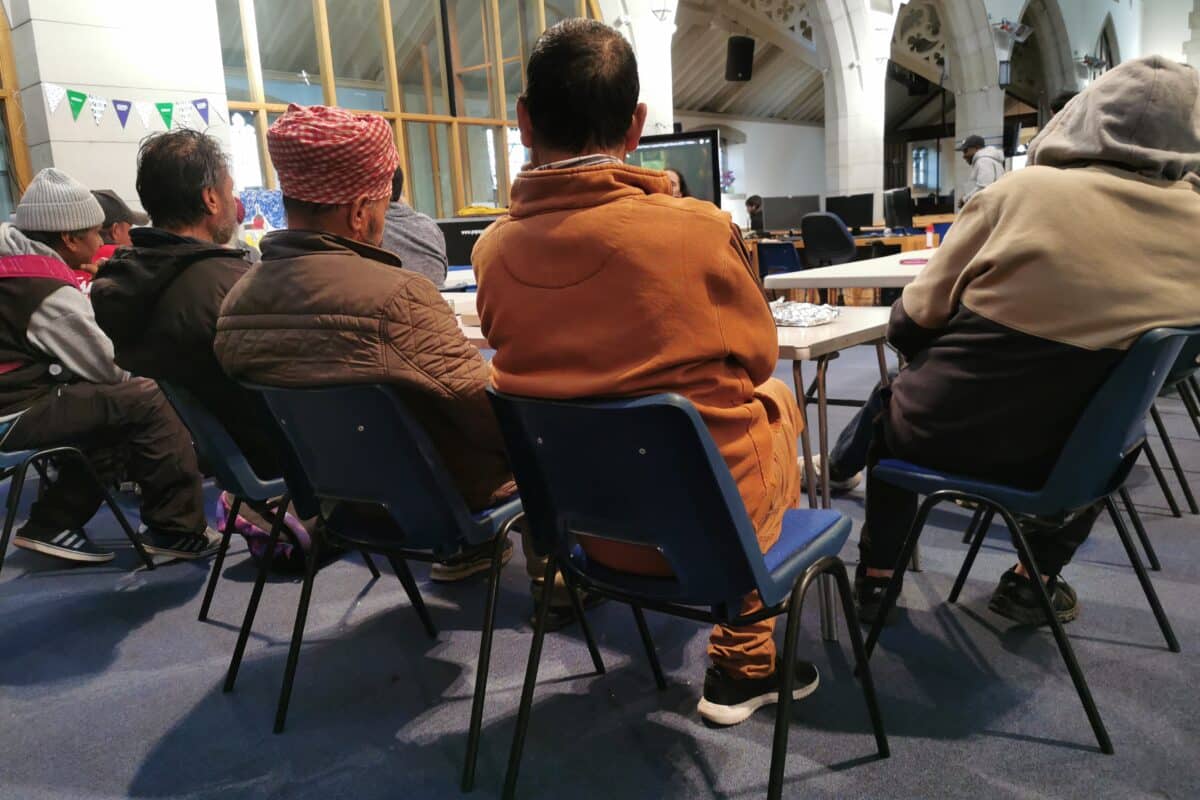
(181, 545)
(728, 700)
(71, 545)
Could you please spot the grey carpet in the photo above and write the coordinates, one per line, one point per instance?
(109, 687)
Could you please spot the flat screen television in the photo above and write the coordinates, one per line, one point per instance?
(461, 234)
(785, 213)
(695, 155)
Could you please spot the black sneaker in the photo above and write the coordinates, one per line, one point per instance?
(467, 562)
(728, 700)
(868, 597)
(1016, 598)
(186, 546)
(71, 545)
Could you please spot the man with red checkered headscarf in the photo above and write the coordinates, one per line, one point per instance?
(326, 305)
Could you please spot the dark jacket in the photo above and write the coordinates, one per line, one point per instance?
(321, 310)
(158, 301)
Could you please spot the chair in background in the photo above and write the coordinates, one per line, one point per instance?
(1181, 378)
(1094, 463)
(232, 471)
(360, 445)
(15, 465)
(827, 242)
(596, 469)
(774, 257)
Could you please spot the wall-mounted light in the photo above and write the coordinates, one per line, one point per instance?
(1005, 74)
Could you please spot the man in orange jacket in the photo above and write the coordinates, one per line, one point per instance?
(599, 283)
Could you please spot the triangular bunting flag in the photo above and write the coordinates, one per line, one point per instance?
(55, 94)
(145, 112)
(98, 106)
(223, 117)
(183, 115)
(76, 99)
(166, 111)
(201, 106)
(122, 108)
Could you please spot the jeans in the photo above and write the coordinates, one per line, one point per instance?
(849, 454)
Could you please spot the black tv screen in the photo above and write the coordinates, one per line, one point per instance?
(695, 155)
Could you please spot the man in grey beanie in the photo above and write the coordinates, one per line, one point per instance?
(60, 386)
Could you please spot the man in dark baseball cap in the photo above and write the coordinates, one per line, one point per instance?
(119, 218)
(987, 165)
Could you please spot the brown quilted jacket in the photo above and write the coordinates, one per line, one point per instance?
(322, 310)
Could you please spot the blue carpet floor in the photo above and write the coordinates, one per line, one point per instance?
(109, 687)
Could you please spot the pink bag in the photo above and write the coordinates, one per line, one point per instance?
(294, 542)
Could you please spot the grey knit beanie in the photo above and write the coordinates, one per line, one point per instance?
(56, 202)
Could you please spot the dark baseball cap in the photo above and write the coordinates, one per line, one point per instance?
(974, 141)
(116, 211)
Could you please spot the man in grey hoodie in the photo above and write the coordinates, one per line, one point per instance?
(60, 386)
(987, 165)
(414, 237)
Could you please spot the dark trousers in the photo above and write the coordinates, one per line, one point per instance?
(134, 416)
(849, 454)
(891, 510)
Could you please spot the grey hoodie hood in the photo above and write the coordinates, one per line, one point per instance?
(15, 243)
(1142, 116)
(994, 153)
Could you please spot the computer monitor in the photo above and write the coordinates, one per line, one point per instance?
(461, 234)
(695, 155)
(898, 208)
(785, 213)
(857, 211)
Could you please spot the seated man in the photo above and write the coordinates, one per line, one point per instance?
(327, 306)
(571, 294)
(159, 299)
(1044, 282)
(413, 237)
(58, 379)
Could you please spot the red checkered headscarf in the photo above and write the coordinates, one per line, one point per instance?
(326, 155)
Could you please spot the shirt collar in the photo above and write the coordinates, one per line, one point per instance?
(579, 161)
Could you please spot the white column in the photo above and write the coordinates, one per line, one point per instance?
(1191, 48)
(649, 27)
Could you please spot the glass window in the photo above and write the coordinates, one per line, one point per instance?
(514, 86)
(416, 29)
(480, 171)
(920, 166)
(511, 25)
(287, 42)
(9, 192)
(358, 63)
(233, 50)
(518, 156)
(470, 50)
(246, 159)
(428, 184)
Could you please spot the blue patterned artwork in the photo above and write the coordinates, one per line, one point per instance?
(268, 203)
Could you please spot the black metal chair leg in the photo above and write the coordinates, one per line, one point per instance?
(893, 589)
(787, 668)
(1152, 460)
(1180, 475)
(1191, 400)
(981, 530)
(648, 643)
(252, 606)
(15, 486)
(838, 570)
(400, 567)
(577, 605)
(1144, 537)
(1144, 579)
(370, 562)
(531, 671)
(219, 561)
(130, 534)
(1060, 636)
(485, 656)
(293, 659)
(969, 533)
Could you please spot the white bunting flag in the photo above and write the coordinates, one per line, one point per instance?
(98, 105)
(55, 94)
(145, 112)
(183, 115)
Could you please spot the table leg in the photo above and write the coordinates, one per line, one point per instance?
(883, 370)
(805, 438)
(823, 423)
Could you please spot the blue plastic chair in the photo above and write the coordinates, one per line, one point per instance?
(1181, 378)
(359, 444)
(1094, 463)
(646, 471)
(230, 468)
(14, 466)
(827, 240)
(776, 257)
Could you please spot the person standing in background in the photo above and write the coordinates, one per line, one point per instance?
(987, 165)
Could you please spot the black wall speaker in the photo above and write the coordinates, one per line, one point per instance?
(739, 58)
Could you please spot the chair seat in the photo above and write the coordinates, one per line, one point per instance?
(258, 490)
(491, 520)
(807, 536)
(923, 480)
(14, 458)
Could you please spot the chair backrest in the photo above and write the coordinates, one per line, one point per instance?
(1101, 449)
(644, 471)
(776, 257)
(1186, 363)
(233, 472)
(360, 444)
(827, 241)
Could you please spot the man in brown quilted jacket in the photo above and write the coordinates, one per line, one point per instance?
(327, 306)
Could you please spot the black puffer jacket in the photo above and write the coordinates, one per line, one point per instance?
(158, 301)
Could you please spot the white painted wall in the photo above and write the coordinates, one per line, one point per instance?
(650, 32)
(777, 158)
(1165, 27)
(149, 50)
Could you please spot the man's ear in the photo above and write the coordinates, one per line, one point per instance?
(358, 216)
(634, 134)
(524, 123)
(212, 203)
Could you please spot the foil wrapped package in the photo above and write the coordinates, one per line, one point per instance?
(802, 315)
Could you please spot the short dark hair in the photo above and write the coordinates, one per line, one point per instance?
(173, 169)
(754, 199)
(581, 86)
(397, 184)
(53, 239)
(683, 187)
(1061, 99)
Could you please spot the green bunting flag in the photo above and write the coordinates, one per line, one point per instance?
(165, 110)
(76, 99)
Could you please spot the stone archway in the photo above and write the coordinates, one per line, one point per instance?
(1054, 45)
